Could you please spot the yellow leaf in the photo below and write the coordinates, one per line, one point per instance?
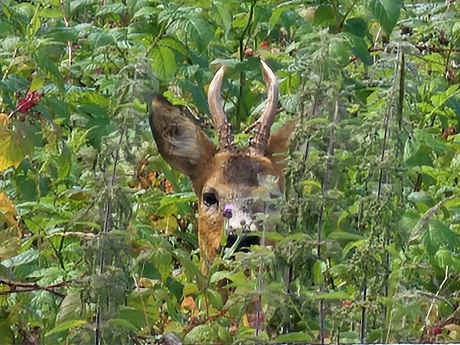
(14, 147)
(4, 120)
(7, 212)
(164, 224)
(188, 303)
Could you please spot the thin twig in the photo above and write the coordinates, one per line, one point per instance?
(330, 155)
(67, 24)
(194, 323)
(242, 48)
(17, 287)
(427, 318)
(105, 229)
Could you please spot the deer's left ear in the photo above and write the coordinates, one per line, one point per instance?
(278, 142)
(180, 142)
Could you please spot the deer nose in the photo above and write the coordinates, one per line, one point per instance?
(228, 211)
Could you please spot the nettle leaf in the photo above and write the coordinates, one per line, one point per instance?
(22, 258)
(324, 16)
(70, 306)
(387, 13)
(356, 26)
(293, 337)
(199, 32)
(162, 259)
(62, 34)
(65, 326)
(174, 44)
(9, 243)
(225, 16)
(75, 4)
(446, 258)
(438, 235)
(340, 295)
(280, 10)
(102, 39)
(437, 145)
(116, 8)
(6, 333)
(123, 324)
(202, 334)
(164, 62)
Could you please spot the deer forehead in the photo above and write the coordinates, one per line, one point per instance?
(237, 175)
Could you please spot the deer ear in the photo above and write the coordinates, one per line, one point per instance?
(180, 142)
(278, 142)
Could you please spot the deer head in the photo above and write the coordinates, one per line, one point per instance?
(225, 179)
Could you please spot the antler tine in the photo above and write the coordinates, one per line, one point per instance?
(262, 126)
(224, 128)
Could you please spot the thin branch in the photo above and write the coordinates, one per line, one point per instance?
(342, 22)
(427, 318)
(330, 155)
(67, 24)
(242, 48)
(194, 323)
(17, 287)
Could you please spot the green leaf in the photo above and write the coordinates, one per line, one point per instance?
(421, 196)
(324, 16)
(70, 306)
(215, 298)
(21, 259)
(37, 82)
(147, 11)
(342, 235)
(164, 63)
(66, 326)
(6, 334)
(340, 295)
(174, 44)
(438, 145)
(103, 39)
(446, 258)
(162, 259)
(387, 13)
(225, 16)
(438, 235)
(199, 32)
(62, 34)
(64, 162)
(293, 337)
(123, 324)
(318, 272)
(356, 26)
(117, 8)
(202, 334)
(49, 67)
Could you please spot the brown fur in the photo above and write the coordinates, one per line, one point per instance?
(232, 177)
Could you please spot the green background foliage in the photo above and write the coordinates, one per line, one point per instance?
(98, 234)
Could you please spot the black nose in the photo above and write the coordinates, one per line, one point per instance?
(246, 242)
(228, 213)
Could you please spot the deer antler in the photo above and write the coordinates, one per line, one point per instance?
(258, 143)
(224, 128)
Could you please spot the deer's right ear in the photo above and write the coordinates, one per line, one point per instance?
(180, 142)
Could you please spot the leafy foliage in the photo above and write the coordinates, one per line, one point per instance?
(98, 235)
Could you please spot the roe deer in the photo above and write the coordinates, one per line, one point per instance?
(224, 179)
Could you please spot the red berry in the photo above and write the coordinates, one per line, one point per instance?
(264, 44)
(437, 330)
(346, 303)
(248, 52)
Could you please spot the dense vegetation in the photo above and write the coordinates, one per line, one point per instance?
(98, 235)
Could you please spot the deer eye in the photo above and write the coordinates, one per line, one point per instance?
(209, 199)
